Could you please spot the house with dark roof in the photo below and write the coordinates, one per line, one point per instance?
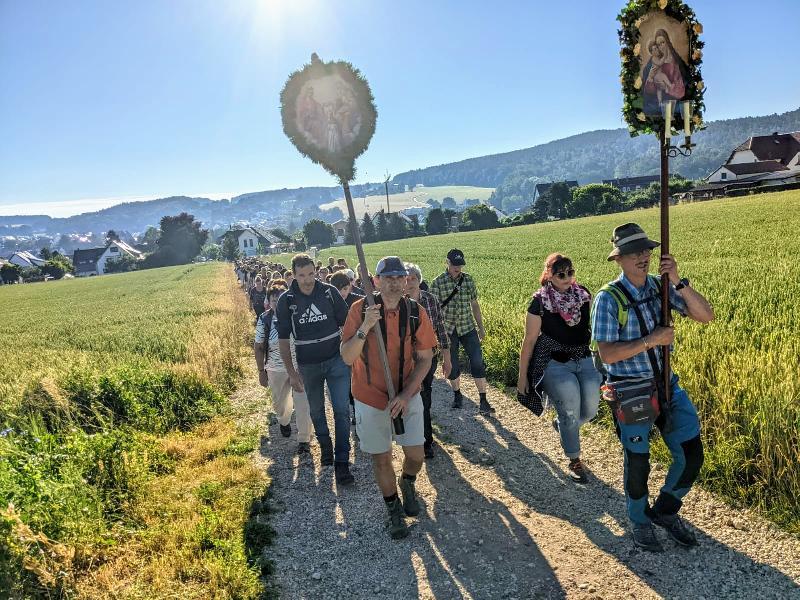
(92, 261)
(541, 188)
(250, 239)
(781, 147)
(760, 156)
(631, 184)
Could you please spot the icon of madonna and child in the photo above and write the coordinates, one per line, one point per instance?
(327, 113)
(665, 72)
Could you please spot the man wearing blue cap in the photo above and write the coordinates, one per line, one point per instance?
(409, 340)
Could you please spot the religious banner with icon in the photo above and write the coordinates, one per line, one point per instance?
(661, 56)
(329, 114)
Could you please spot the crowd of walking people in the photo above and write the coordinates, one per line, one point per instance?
(316, 326)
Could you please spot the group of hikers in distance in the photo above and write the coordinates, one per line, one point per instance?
(315, 328)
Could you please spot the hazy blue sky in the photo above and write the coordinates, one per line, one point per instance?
(102, 101)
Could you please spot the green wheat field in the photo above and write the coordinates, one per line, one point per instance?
(742, 370)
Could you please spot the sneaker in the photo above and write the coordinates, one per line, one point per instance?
(409, 493)
(286, 430)
(326, 451)
(343, 475)
(485, 408)
(428, 450)
(303, 447)
(457, 400)
(396, 522)
(577, 471)
(675, 528)
(644, 537)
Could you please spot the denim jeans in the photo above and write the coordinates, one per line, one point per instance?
(685, 446)
(574, 389)
(472, 346)
(425, 392)
(337, 375)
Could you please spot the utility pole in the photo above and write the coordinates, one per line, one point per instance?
(386, 185)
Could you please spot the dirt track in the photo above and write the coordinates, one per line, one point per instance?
(501, 519)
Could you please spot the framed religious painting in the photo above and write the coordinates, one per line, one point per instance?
(661, 56)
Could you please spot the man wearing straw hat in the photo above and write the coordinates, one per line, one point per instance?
(625, 325)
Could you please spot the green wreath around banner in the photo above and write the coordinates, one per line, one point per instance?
(340, 163)
(633, 107)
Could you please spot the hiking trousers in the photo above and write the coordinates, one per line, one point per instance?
(685, 446)
(426, 393)
(284, 399)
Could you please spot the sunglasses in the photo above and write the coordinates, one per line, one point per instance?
(565, 274)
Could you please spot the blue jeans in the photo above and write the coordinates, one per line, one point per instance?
(574, 389)
(337, 375)
(684, 444)
(472, 346)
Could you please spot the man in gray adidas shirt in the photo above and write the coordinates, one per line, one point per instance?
(313, 313)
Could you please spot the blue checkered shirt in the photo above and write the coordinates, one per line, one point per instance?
(605, 324)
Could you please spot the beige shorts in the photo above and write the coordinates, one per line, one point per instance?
(374, 427)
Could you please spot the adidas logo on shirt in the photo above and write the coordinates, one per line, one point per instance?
(312, 315)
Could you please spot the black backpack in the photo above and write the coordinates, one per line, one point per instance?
(407, 323)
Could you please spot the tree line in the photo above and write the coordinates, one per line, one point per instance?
(558, 202)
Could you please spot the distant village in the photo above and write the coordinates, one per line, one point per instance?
(761, 163)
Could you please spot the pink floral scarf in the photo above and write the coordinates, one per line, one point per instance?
(567, 304)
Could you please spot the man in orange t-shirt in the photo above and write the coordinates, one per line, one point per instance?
(374, 413)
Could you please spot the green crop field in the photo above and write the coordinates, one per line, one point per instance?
(116, 454)
(418, 197)
(742, 370)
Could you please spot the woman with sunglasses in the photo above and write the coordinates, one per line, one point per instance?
(555, 357)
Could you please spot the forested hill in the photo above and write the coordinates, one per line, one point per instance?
(603, 154)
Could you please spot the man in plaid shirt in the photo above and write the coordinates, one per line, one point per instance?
(624, 352)
(458, 297)
(431, 305)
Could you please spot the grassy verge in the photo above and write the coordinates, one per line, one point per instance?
(119, 474)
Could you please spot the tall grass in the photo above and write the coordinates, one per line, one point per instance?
(96, 373)
(742, 370)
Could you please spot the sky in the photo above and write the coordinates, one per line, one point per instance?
(109, 101)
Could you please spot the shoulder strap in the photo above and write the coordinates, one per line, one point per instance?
(651, 352)
(413, 319)
(454, 292)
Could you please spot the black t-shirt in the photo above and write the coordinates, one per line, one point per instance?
(554, 326)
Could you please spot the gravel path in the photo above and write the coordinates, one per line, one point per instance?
(501, 519)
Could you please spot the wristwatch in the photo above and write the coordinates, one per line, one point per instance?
(361, 335)
(682, 284)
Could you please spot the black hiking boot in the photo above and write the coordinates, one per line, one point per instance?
(485, 408)
(303, 447)
(577, 471)
(343, 475)
(409, 493)
(286, 430)
(675, 528)
(326, 451)
(396, 521)
(644, 537)
(458, 399)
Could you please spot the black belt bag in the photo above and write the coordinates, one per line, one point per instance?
(633, 401)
